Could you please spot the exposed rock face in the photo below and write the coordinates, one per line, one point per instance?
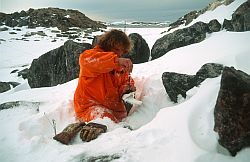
(232, 110)
(178, 84)
(240, 19)
(140, 51)
(57, 66)
(50, 17)
(179, 38)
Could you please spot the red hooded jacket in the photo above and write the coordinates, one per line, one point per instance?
(101, 83)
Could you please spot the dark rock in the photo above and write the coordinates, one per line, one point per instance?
(14, 84)
(232, 110)
(101, 158)
(2, 16)
(140, 51)
(186, 19)
(227, 25)
(179, 38)
(4, 29)
(57, 66)
(209, 70)
(12, 104)
(240, 19)
(178, 84)
(23, 73)
(214, 25)
(14, 71)
(12, 33)
(50, 17)
(4, 86)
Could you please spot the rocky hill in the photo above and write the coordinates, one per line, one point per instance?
(189, 17)
(49, 17)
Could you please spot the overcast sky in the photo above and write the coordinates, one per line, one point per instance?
(114, 10)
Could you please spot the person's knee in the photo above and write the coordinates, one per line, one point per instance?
(95, 112)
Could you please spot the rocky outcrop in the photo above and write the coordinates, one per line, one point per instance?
(240, 19)
(179, 38)
(13, 104)
(178, 84)
(232, 110)
(5, 86)
(140, 51)
(50, 17)
(57, 66)
(188, 18)
(183, 37)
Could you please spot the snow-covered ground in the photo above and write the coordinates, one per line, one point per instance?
(163, 131)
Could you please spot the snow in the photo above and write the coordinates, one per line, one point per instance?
(163, 130)
(220, 13)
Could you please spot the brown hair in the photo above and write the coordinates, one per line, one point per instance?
(114, 38)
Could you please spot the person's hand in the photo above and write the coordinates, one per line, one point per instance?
(126, 63)
(92, 131)
(69, 133)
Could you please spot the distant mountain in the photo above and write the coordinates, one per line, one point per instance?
(189, 17)
(49, 17)
(138, 24)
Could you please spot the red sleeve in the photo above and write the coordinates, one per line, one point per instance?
(94, 62)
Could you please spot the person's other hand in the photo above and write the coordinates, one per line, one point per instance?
(126, 64)
(91, 131)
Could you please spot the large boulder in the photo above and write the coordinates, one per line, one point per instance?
(57, 66)
(178, 84)
(240, 19)
(232, 110)
(214, 25)
(179, 38)
(140, 51)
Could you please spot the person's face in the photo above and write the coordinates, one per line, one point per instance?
(119, 50)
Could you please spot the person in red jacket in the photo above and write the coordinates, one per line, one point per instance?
(104, 78)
